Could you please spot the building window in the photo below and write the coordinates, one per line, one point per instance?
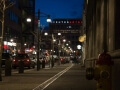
(13, 16)
(67, 21)
(64, 21)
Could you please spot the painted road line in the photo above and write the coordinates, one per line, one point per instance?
(52, 79)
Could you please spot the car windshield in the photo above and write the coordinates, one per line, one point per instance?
(22, 56)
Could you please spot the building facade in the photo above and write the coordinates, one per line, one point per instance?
(69, 28)
(101, 27)
(15, 26)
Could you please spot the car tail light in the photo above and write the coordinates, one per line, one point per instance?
(28, 60)
(61, 59)
(14, 60)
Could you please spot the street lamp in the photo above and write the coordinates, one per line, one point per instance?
(59, 50)
(45, 34)
(52, 61)
(38, 35)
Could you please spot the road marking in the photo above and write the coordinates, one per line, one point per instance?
(52, 79)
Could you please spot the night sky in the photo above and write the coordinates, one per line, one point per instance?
(59, 9)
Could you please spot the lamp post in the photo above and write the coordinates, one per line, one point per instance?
(59, 62)
(64, 40)
(39, 35)
(53, 40)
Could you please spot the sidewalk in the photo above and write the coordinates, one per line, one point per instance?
(30, 78)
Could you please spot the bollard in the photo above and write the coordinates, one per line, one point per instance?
(21, 66)
(53, 62)
(8, 68)
(43, 64)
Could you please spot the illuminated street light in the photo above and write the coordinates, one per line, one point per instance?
(78, 47)
(28, 20)
(64, 40)
(45, 34)
(59, 34)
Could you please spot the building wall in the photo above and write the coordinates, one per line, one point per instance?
(102, 34)
(15, 21)
(12, 26)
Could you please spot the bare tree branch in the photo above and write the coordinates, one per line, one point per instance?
(9, 5)
(33, 33)
(3, 5)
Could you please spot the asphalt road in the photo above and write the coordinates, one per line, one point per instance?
(73, 79)
(63, 77)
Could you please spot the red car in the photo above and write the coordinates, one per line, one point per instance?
(25, 58)
(62, 60)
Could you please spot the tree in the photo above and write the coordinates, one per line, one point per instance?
(4, 4)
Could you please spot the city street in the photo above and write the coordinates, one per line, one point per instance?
(59, 45)
(63, 77)
(73, 79)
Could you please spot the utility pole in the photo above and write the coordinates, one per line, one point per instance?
(52, 62)
(38, 44)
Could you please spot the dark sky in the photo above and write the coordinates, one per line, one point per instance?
(60, 9)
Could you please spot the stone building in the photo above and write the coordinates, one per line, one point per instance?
(101, 27)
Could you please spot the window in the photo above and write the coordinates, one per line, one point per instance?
(64, 21)
(13, 16)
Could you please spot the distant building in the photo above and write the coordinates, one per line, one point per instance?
(69, 28)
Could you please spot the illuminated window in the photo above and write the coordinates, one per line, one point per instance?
(70, 26)
(78, 22)
(67, 21)
(72, 22)
(64, 21)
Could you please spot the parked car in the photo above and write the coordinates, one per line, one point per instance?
(25, 58)
(34, 59)
(62, 60)
(5, 56)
